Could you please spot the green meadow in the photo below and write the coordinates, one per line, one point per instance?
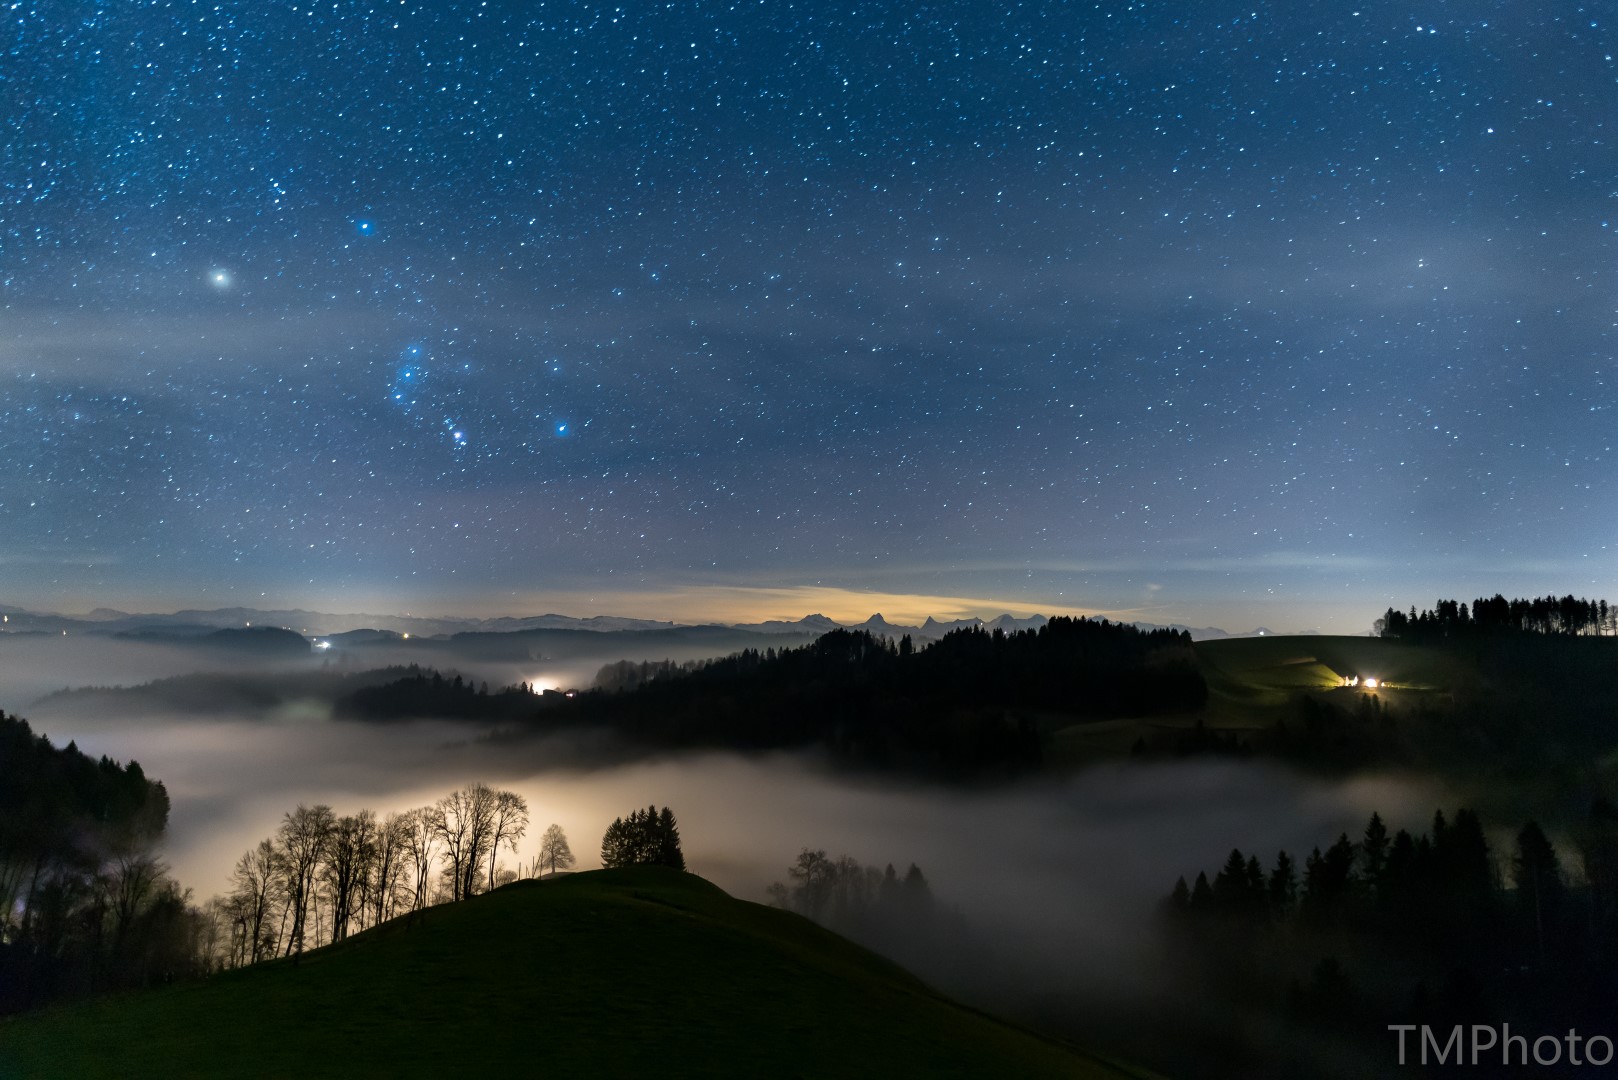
(1253, 682)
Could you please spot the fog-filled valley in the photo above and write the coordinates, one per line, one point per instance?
(1052, 882)
(1017, 817)
(231, 775)
(38, 664)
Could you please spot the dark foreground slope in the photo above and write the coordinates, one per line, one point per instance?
(644, 972)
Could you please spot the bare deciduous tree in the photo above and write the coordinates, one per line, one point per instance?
(347, 865)
(554, 854)
(464, 821)
(345, 873)
(255, 891)
(126, 885)
(421, 841)
(392, 845)
(509, 823)
(301, 844)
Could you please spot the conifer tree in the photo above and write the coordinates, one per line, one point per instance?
(1469, 861)
(646, 836)
(1202, 897)
(1283, 886)
(1537, 873)
(1399, 872)
(668, 841)
(615, 850)
(1230, 885)
(1374, 852)
(1255, 888)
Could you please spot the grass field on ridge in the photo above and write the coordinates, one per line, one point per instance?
(637, 972)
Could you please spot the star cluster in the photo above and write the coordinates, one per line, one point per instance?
(1185, 309)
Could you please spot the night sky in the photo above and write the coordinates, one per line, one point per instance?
(1183, 311)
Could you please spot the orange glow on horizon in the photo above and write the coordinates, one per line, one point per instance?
(692, 605)
(745, 604)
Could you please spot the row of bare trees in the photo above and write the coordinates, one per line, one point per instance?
(322, 876)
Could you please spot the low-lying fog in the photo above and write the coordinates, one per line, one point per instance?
(1057, 874)
(33, 665)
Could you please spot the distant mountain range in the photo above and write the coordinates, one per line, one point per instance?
(198, 622)
(195, 622)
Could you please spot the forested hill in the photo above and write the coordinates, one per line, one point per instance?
(82, 906)
(65, 797)
(1495, 617)
(969, 704)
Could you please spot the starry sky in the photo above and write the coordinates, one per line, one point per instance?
(1181, 311)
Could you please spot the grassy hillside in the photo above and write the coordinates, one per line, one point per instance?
(1253, 682)
(1247, 676)
(640, 972)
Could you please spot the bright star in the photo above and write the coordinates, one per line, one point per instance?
(220, 279)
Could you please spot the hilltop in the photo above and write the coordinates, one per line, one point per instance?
(639, 971)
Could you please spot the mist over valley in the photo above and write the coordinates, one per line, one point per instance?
(1051, 876)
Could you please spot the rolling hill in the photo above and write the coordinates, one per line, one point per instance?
(1270, 669)
(635, 972)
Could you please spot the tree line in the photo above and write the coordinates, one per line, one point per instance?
(1538, 697)
(1565, 615)
(650, 836)
(1078, 666)
(847, 896)
(87, 907)
(963, 707)
(324, 876)
(1436, 928)
(84, 905)
(888, 911)
(421, 692)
